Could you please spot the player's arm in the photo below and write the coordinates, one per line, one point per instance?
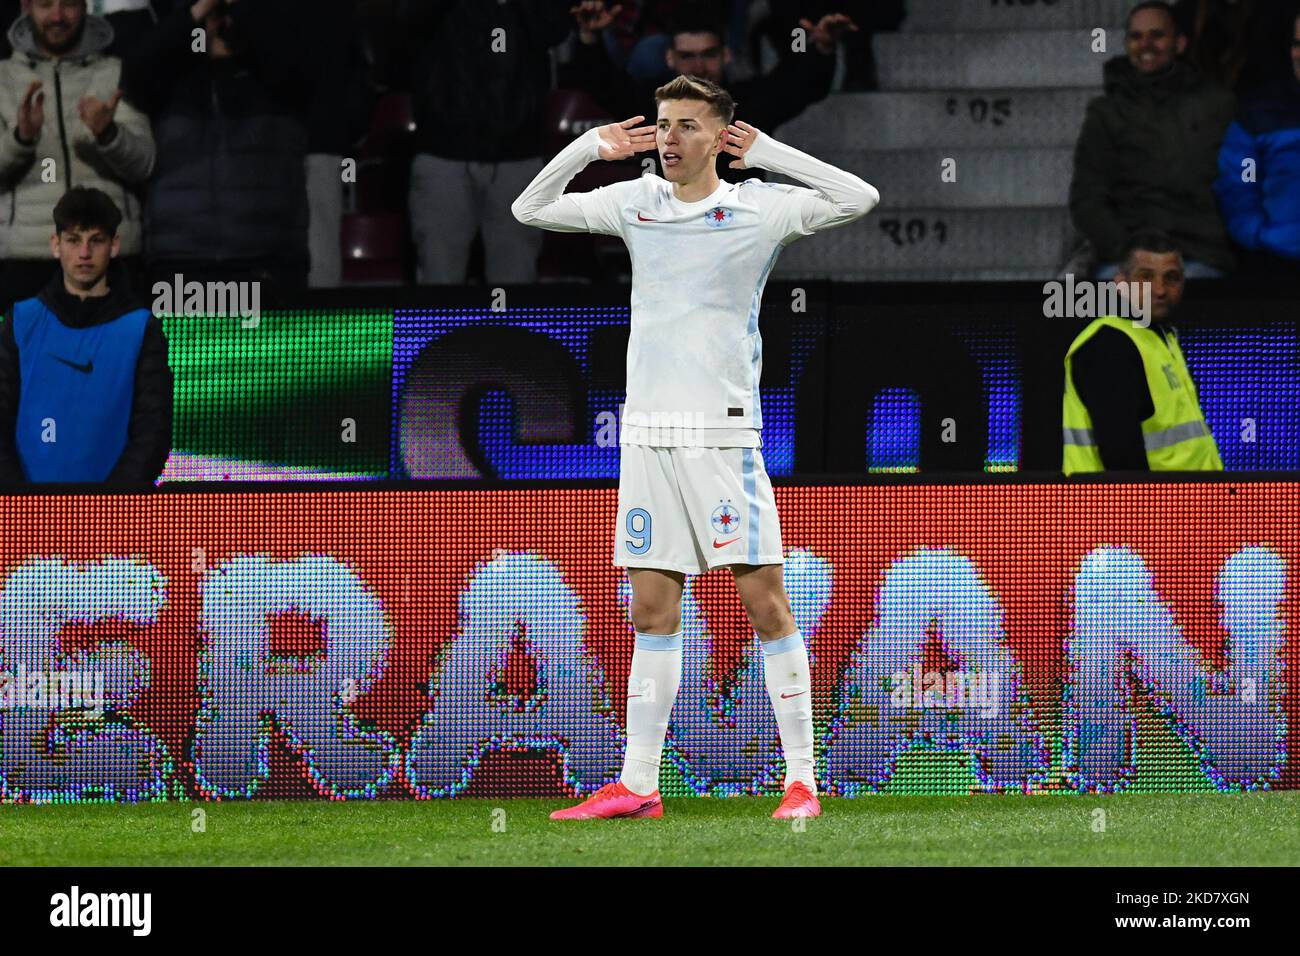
(545, 203)
(836, 197)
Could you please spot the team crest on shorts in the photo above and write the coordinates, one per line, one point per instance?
(718, 216)
(726, 519)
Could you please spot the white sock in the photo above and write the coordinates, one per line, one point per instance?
(789, 685)
(651, 689)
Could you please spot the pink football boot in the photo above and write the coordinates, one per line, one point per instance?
(613, 800)
(798, 801)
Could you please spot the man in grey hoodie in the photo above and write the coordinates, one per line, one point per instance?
(63, 123)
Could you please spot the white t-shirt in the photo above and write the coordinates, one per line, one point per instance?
(698, 270)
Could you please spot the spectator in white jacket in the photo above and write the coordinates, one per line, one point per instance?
(63, 123)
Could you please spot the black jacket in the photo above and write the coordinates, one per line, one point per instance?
(1147, 157)
(149, 431)
(313, 63)
(230, 182)
(475, 102)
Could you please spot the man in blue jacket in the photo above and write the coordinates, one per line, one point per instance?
(85, 390)
(1259, 173)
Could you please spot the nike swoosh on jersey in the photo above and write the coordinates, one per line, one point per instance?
(725, 543)
(643, 218)
(788, 696)
(87, 368)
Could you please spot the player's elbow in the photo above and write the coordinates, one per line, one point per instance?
(868, 198)
(857, 203)
(528, 210)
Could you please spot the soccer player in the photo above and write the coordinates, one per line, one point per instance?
(693, 492)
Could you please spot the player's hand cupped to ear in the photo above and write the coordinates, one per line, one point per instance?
(621, 140)
(740, 137)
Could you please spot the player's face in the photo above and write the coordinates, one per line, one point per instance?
(84, 254)
(1152, 42)
(1164, 270)
(689, 137)
(698, 54)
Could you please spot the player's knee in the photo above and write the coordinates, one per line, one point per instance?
(770, 616)
(651, 617)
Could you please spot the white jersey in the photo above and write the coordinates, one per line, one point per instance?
(698, 270)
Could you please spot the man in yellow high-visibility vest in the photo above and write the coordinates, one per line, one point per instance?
(1130, 402)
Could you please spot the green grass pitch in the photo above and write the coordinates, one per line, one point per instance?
(1255, 828)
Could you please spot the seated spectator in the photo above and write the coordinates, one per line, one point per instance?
(699, 49)
(1259, 174)
(229, 199)
(1147, 154)
(100, 140)
(480, 116)
(85, 390)
(1130, 403)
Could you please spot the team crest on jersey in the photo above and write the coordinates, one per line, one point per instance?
(726, 519)
(718, 216)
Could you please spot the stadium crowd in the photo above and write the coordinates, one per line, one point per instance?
(290, 145)
(225, 129)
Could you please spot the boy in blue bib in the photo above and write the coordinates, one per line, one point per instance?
(85, 390)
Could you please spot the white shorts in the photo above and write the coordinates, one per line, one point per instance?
(692, 508)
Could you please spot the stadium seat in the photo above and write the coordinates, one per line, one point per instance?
(569, 114)
(391, 125)
(384, 159)
(374, 248)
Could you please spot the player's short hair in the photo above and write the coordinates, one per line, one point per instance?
(697, 88)
(1147, 240)
(87, 208)
(1154, 5)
